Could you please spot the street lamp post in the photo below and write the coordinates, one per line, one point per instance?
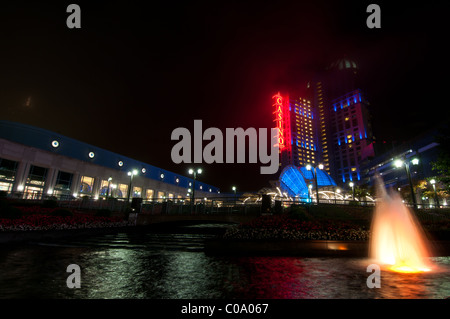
(234, 190)
(433, 182)
(131, 174)
(308, 167)
(352, 185)
(399, 163)
(194, 172)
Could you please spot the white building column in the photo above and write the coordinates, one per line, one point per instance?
(21, 176)
(74, 187)
(96, 187)
(50, 181)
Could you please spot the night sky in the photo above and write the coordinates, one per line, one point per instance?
(135, 71)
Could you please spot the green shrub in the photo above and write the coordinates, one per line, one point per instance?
(104, 212)
(62, 212)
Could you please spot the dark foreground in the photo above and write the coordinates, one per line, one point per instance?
(174, 265)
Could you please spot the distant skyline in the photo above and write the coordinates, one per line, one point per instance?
(135, 72)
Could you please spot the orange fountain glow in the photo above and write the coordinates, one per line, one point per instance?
(397, 239)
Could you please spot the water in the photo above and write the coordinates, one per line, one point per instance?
(174, 266)
(398, 239)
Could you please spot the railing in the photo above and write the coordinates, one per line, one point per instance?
(211, 205)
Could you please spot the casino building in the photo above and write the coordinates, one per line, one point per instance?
(35, 163)
(329, 125)
(295, 120)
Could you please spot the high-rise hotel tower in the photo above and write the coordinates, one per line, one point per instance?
(296, 121)
(329, 127)
(344, 126)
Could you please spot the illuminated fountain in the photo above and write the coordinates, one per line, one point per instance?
(397, 239)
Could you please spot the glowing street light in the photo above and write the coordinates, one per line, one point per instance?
(399, 163)
(131, 174)
(194, 172)
(336, 190)
(320, 166)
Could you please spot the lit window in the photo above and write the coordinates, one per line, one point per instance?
(137, 191)
(122, 190)
(149, 193)
(86, 184)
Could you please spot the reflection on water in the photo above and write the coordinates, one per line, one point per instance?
(174, 266)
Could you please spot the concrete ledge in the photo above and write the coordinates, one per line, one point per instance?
(303, 248)
(287, 247)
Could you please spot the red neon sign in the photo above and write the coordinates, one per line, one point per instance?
(279, 119)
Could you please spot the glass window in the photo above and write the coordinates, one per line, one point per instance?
(160, 194)
(63, 181)
(37, 175)
(7, 170)
(122, 190)
(104, 188)
(86, 184)
(137, 191)
(33, 192)
(4, 186)
(149, 194)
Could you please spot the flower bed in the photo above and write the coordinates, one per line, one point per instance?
(282, 227)
(45, 222)
(42, 218)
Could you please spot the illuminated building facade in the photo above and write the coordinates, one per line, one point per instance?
(297, 137)
(351, 136)
(343, 125)
(37, 163)
(303, 140)
(333, 128)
